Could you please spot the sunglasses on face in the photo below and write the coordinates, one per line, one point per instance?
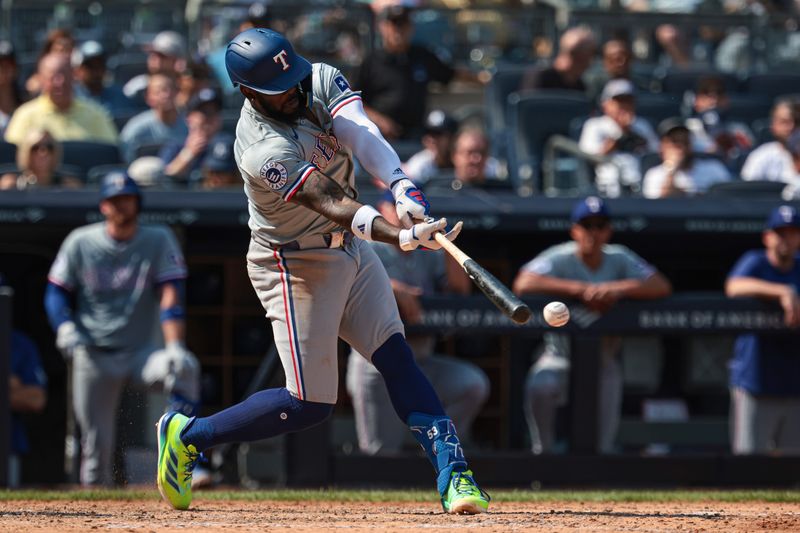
(49, 147)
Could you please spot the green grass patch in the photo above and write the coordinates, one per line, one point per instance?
(342, 495)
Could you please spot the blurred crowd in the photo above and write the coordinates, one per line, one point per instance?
(654, 111)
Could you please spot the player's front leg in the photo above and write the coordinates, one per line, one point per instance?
(459, 491)
(417, 404)
(176, 460)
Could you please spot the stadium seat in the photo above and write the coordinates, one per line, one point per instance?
(88, 154)
(761, 131)
(8, 152)
(504, 82)
(127, 65)
(122, 116)
(748, 109)
(534, 117)
(148, 149)
(678, 81)
(6, 168)
(772, 84)
(655, 107)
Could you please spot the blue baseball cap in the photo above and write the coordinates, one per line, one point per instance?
(118, 183)
(782, 217)
(591, 206)
(220, 155)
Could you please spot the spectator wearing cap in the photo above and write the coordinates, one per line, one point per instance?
(160, 125)
(219, 169)
(588, 270)
(576, 50)
(204, 121)
(682, 172)
(10, 92)
(165, 55)
(394, 78)
(774, 160)
(764, 384)
(66, 116)
(712, 131)
(436, 154)
(620, 135)
(89, 64)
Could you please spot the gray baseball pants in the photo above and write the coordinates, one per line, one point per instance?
(764, 424)
(98, 379)
(315, 296)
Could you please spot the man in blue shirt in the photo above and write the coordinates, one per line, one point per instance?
(27, 394)
(765, 370)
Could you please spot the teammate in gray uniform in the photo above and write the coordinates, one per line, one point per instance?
(461, 385)
(113, 297)
(310, 265)
(597, 274)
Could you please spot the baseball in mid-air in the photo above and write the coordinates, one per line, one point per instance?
(556, 314)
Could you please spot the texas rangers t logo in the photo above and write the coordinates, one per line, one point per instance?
(281, 58)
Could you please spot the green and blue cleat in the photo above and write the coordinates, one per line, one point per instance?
(464, 496)
(176, 461)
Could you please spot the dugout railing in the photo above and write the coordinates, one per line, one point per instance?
(691, 314)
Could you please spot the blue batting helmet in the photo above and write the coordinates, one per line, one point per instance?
(118, 183)
(265, 61)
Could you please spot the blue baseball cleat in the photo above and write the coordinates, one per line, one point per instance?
(176, 461)
(464, 496)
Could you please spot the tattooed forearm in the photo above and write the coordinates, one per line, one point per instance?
(323, 195)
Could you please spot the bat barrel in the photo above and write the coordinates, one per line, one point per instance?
(498, 294)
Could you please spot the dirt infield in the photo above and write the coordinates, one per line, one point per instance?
(211, 515)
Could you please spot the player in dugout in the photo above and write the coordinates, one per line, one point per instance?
(311, 266)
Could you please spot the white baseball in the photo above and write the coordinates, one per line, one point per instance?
(556, 314)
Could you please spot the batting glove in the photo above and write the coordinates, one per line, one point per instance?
(422, 235)
(69, 340)
(409, 202)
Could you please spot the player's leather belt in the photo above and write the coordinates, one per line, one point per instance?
(337, 239)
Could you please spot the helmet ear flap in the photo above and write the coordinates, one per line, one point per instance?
(305, 89)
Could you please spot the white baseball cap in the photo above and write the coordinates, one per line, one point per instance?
(169, 43)
(617, 87)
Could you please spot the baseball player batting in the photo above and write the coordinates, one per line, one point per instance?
(310, 265)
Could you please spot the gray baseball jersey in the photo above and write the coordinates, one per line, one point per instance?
(276, 158)
(115, 282)
(314, 294)
(561, 261)
(547, 384)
